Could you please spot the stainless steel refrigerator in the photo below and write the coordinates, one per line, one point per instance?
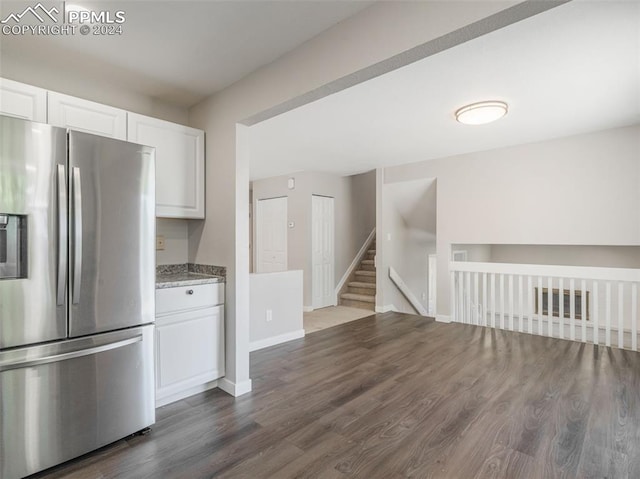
(77, 287)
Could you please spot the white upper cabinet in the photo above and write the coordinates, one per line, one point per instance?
(179, 164)
(180, 181)
(88, 116)
(23, 101)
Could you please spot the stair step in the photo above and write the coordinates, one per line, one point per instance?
(367, 261)
(359, 284)
(371, 251)
(359, 297)
(362, 272)
(358, 304)
(365, 276)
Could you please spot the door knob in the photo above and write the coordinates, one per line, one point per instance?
(189, 291)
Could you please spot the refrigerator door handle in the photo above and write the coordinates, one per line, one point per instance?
(77, 235)
(62, 235)
(19, 364)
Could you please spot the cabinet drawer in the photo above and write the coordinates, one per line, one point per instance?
(169, 300)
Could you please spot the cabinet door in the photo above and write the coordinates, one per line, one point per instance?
(189, 350)
(84, 115)
(23, 101)
(179, 164)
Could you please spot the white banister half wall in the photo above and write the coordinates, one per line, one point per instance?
(579, 303)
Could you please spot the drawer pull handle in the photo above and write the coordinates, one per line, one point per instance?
(189, 291)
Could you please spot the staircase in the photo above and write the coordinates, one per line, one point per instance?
(360, 289)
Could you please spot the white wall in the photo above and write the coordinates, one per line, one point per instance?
(281, 294)
(574, 255)
(354, 216)
(580, 190)
(408, 236)
(176, 241)
(333, 60)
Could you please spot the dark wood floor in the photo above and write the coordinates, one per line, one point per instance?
(394, 396)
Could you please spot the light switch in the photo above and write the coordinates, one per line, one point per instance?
(159, 243)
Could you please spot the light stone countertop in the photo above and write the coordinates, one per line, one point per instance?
(174, 276)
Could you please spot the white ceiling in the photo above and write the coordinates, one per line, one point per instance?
(570, 70)
(181, 51)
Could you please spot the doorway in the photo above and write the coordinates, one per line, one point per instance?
(271, 235)
(322, 251)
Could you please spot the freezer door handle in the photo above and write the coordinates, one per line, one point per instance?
(77, 235)
(62, 235)
(19, 364)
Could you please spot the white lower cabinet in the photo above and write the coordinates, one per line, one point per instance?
(189, 340)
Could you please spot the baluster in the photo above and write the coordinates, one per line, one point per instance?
(484, 299)
(561, 306)
(620, 315)
(596, 323)
(510, 302)
(584, 309)
(530, 304)
(502, 307)
(634, 316)
(460, 296)
(476, 319)
(572, 309)
(467, 296)
(550, 307)
(539, 315)
(493, 300)
(607, 325)
(520, 304)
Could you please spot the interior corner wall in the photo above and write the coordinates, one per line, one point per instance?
(354, 203)
(407, 239)
(579, 190)
(391, 242)
(363, 206)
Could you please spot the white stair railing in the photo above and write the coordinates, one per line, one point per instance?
(407, 293)
(588, 304)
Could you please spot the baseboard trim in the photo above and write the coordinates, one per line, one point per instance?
(193, 390)
(307, 309)
(443, 318)
(385, 309)
(235, 389)
(274, 340)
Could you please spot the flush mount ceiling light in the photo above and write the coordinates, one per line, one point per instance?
(482, 112)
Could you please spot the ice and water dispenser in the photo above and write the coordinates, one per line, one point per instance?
(13, 246)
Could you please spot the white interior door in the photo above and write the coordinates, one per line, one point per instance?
(432, 284)
(322, 246)
(271, 235)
